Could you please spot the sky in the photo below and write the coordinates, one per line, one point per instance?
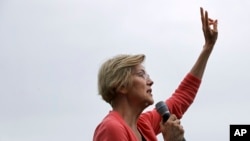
(51, 50)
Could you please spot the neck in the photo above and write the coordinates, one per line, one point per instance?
(130, 112)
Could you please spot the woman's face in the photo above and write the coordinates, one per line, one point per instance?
(140, 92)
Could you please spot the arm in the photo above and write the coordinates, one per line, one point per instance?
(210, 35)
(184, 95)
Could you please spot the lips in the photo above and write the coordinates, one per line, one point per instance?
(149, 91)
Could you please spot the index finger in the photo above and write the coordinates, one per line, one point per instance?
(202, 15)
(172, 117)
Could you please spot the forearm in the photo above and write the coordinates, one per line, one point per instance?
(183, 96)
(200, 65)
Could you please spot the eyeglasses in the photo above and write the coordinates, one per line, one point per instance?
(143, 75)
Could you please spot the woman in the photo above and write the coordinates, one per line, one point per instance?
(125, 85)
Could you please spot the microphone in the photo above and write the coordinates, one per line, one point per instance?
(162, 109)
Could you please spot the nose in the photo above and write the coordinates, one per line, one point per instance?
(150, 82)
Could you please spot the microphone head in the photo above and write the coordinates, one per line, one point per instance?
(162, 108)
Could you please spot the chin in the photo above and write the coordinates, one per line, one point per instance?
(150, 102)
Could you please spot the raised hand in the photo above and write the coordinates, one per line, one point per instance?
(209, 27)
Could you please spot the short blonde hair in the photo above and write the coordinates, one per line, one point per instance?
(115, 73)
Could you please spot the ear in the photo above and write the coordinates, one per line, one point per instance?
(123, 90)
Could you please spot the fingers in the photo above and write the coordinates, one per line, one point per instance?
(202, 15)
(215, 25)
(174, 121)
(206, 21)
(172, 130)
(210, 21)
(172, 117)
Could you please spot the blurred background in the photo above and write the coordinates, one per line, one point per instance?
(51, 50)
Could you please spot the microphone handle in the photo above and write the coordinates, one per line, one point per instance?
(165, 117)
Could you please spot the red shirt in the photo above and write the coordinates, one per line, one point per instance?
(114, 128)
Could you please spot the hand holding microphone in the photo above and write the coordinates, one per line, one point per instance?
(172, 130)
(170, 126)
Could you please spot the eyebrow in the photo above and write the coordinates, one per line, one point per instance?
(142, 70)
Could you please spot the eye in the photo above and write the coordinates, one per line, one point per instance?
(141, 74)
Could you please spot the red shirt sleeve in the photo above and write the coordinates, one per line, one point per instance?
(183, 96)
(178, 103)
